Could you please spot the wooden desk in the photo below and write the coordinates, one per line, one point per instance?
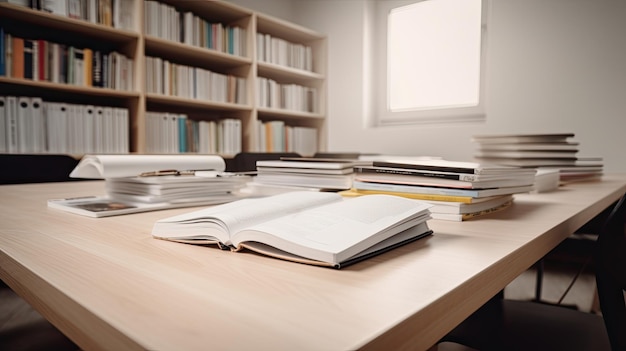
(108, 285)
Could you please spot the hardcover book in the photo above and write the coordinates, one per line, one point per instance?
(318, 228)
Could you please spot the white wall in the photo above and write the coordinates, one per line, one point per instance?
(277, 8)
(554, 66)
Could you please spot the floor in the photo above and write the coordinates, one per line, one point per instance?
(568, 280)
(18, 320)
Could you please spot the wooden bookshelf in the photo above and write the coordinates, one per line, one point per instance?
(140, 45)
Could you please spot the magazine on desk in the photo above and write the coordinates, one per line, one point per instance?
(319, 228)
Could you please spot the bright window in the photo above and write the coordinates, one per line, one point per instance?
(433, 68)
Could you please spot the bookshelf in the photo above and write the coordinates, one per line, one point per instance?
(225, 77)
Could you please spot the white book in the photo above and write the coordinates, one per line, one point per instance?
(57, 7)
(63, 113)
(89, 128)
(124, 130)
(115, 166)
(24, 125)
(79, 112)
(75, 9)
(288, 226)
(38, 125)
(99, 127)
(108, 129)
(56, 123)
(188, 28)
(25, 3)
(121, 134)
(12, 127)
(213, 148)
(104, 206)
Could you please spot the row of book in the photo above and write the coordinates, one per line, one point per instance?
(42, 60)
(166, 22)
(171, 133)
(167, 78)
(456, 191)
(31, 125)
(277, 136)
(278, 51)
(292, 97)
(558, 152)
(112, 13)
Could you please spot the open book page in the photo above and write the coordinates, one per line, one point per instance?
(215, 224)
(335, 232)
(114, 166)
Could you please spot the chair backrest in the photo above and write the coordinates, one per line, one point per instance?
(610, 263)
(246, 161)
(40, 168)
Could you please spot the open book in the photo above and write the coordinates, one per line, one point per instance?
(320, 228)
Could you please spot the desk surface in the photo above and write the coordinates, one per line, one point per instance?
(107, 283)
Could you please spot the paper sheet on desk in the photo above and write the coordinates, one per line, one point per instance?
(115, 166)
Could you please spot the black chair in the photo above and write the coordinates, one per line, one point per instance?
(503, 324)
(610, 260)
(246, 161)
(40, 168)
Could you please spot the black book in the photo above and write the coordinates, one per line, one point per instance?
(29, 57)
(447, 166)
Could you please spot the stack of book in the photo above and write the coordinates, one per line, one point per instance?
(130, 186)
(457, 190)
(298, 173)
(541, 151)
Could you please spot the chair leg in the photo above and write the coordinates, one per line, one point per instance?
(539, 280)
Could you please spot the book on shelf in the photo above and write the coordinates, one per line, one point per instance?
(42, 60)
(138, 183)
(38, 126)
(318, 228)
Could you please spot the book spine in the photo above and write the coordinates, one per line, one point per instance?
(3, 125)
(11, 120)
(407, 172)
(3, 54)
(415, 189)
(423, 167)
(42, 60)
(18, 58)
(468, 216)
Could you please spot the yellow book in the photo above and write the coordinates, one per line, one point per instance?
(88, 66)
(427, 197)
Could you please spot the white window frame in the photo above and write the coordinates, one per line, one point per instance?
(384, 116)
